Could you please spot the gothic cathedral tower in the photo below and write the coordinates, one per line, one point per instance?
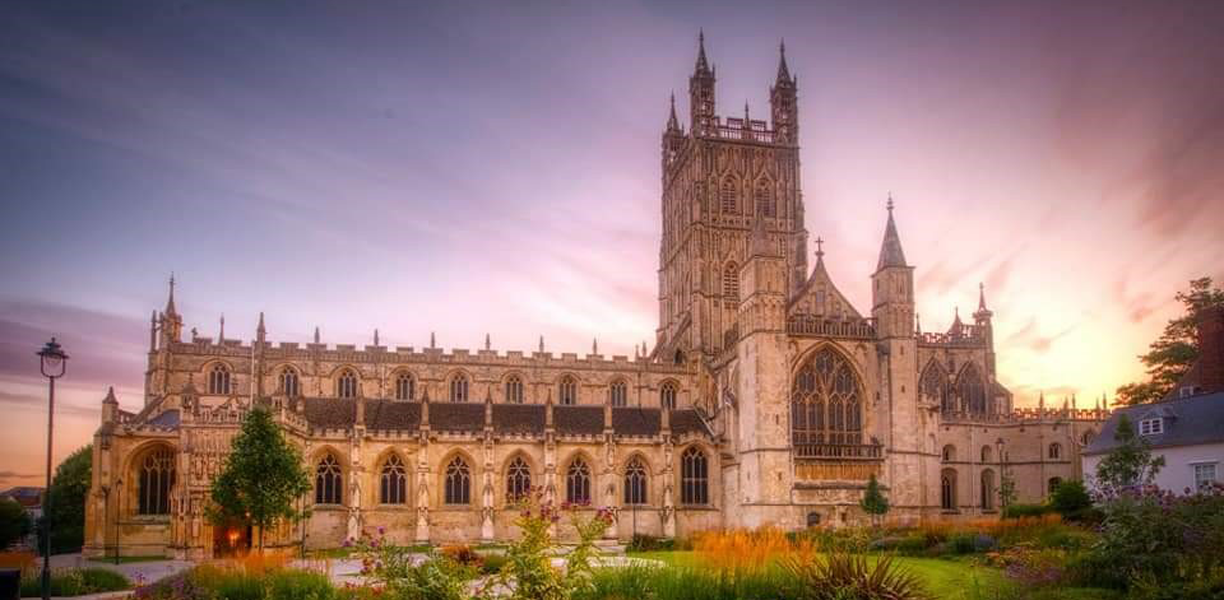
(717, 178)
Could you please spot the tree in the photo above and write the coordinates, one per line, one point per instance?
(1130, 464)
(874, 503)
(1007, 489)
(1174, 352)
(1071, 500)
(66, 511)
(262, 477)
(15, 522)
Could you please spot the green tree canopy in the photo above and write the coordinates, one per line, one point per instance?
(874, 502)
(1174, 352)
(66, 510)
(15, 522)
(1128, 465)
(262, 478)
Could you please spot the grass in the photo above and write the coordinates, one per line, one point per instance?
(76, 582)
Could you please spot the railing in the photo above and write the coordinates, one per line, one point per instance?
(839, 451)
(825, 327)
(969, 335)
(739, 129)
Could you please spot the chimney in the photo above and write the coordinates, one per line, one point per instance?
(1211, 349)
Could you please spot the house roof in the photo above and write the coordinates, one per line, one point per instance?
(579, 420)
(1187, 422)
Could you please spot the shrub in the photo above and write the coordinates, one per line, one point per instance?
(77, 582)
(1071, 500)
(463, 554)
(843, 576)
(493, 563)
(748, 550)
(292, 584)
(1016, 511)
(641, 542)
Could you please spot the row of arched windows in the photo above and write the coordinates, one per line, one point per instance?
(457, 482)
(762, 196)
(970, 389)
(1053, 452)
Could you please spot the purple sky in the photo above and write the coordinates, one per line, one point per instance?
(478, 168)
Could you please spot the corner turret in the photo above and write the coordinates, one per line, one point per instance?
(893, 286)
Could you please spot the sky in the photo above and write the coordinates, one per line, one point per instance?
(468, 168)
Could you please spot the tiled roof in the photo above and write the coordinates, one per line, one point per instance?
(388, 415)
(579, 420)
(169, 418)
(636, 421)
(330, 413)
(687, 421)
(518, 418)
(1187, 422)
(456, 416)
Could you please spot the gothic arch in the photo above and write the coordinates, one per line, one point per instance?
(728, 195)
(512, 383)
(220, 379)
(934, 384)
(473, 477)
(579, 478)
(511, 461)
(563, 383)
(971, 390)
(730, 281)
(278, 373)
(458, 385)
(763, 198)
(152, 473)
(827, 402)
(389, 487)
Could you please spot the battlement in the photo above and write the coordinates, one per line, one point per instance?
(969, 336)
(1029, 415)
(736, 129)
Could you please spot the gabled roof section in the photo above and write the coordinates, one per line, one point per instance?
(819, 296)
(1187, 422)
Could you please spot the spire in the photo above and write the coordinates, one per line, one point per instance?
(488, 342)
(375, 336)
(594, 345)
(541, 344)
(1041, 401)
(110, 396)
(981, 296)
(891, 254)
(746, 118)
(673, 124)
(260, 329)
(819, 251)
(784, 76)
(316, 335)
(221, 334)
(703, 66)
(433, 340)
(170, 310)
(917, 324)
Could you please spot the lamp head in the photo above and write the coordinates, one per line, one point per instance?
(53, 361)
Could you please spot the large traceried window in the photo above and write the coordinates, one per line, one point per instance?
(405, 387)
(156, 478)
(459, 388)
(694, 477)
(458, 484)
(393, 483)
(635, 482)
(764, 199)
(518, 480)
(578, 482)
(219, 380)
(727, 196)
(730, 282)
(667, 396)
(346, 384)
(826, 403)
(934, 385)
(567, 391)
(971, 388)
(618, 393)
(947, 489)
(514, 389)
(289, 382)
(329, 485)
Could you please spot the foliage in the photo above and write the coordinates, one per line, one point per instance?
(1129, 465)
(77, 582)
(393, 569)
(1007, 489)
(675, 583)
(463, 554)
(244, 580)
(641, 542)
(66, 509)
(844, 576)
(1174, 352)
(1015, 510)
(874, 503)
(1030, 565)
(1071, 500)
(15, 522)
(262, 477)
(746, 550)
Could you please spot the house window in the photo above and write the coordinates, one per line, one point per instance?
(514, 389)
(568, 391)
(393, 485)
(405, 387)
(459, 388)
(1055, 452)
(578, 483)
(219, 380)
(156, 479)
(329, 488)
(458, 482)
(1151, 426)
(346, 385)
(667, 396)
(635, 482)
(694, 477)
(618, 393)
(1204, 475)
(518, 480)
(289, 382)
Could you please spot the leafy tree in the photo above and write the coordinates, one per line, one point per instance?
(15, 522)
(874, 503)
(1130, 464)
(1007, 489)
(1174, 352)
(1071, 500)
(262, 477)
(66, 510)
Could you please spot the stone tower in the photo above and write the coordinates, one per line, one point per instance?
(717, 177)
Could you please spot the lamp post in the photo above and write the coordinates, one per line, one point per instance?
(118, 514)
(53, 363)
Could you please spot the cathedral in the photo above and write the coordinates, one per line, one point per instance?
(767, 398)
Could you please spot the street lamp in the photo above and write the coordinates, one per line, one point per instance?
(53, 362)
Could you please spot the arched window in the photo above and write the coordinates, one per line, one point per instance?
(329, 486)
(949, 453)
(730, 282)
(764, 199)
(618, 393)
(1053, 484)
(727, 196)
(514, 389)
(459, 388)
(289, 382)
(1055, 451)
(219, 380)
(155, 480)
(393, 485)
(635, 482)
(458, 488)
(826, 404)
(667, 396)
(987, 454)
(1087, 437)
(518, 480)
(972, 390)
(947, 489)
(405, 387)
(578, 482)
(934, 386)
(694, 477)
(567, 391)
(988, 489)
(346, 385)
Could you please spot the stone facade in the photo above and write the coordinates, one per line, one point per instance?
(767, 398)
